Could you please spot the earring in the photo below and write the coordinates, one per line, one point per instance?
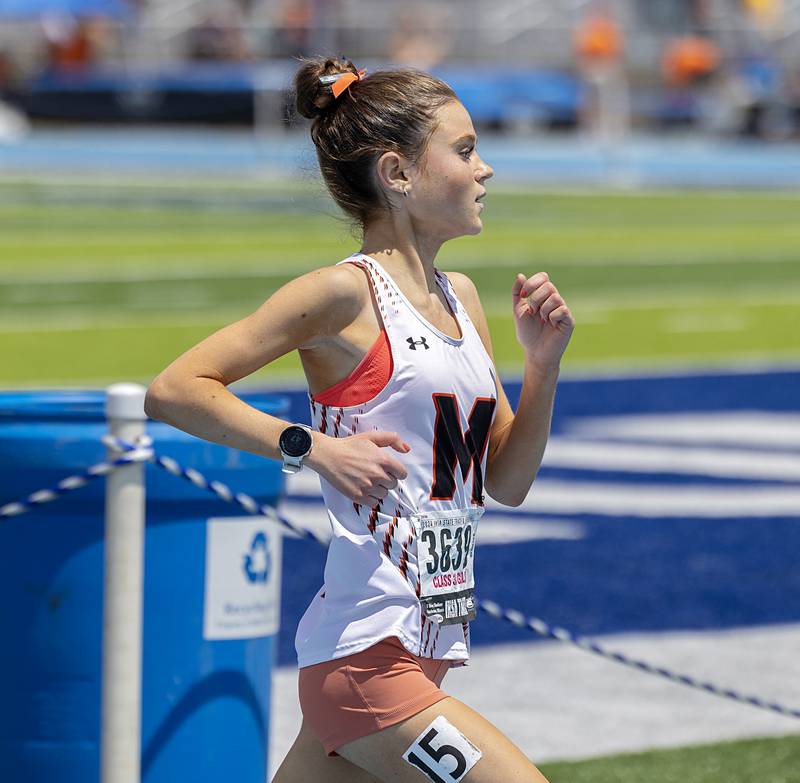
(405, 192)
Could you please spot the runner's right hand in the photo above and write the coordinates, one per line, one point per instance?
(361, 466)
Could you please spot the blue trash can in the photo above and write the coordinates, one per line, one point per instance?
(212, 573)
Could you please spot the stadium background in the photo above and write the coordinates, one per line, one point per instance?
(154, 186)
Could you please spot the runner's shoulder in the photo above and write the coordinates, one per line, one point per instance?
(332, 297)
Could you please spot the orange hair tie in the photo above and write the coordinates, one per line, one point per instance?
(345, 80)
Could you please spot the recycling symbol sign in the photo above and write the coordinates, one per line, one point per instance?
(257, 562)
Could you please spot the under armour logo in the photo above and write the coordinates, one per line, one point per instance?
(412, 343)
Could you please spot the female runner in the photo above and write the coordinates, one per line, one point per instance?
(410, 425)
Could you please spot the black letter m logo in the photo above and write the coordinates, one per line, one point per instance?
(451, 445)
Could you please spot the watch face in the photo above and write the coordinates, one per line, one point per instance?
(295, 441)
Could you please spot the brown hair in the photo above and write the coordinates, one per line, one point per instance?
(392, 110)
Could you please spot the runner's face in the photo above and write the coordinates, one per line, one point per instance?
(450, 178)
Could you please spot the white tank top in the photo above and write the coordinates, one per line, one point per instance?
(441, 400)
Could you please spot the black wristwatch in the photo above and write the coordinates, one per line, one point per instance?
(295, 444)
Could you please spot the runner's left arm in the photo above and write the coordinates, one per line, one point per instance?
(517, 440)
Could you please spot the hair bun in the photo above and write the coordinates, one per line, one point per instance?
(313, 98)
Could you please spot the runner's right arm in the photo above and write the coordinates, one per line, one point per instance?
(192, 395)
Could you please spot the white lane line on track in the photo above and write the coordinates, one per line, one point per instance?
(495, 528)
(740, 428)
(619, 499)
(257, 181)
(127, 320)
(656, 458)
(191, 295)
(146, 275)
(691, 321)
(56, 276)
(694, 501)
(631, 297)
(562, 703)
(94, 314)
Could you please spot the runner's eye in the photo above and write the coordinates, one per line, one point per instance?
(467, 153)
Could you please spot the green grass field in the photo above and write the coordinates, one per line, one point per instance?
(98, 285)
(763, 760)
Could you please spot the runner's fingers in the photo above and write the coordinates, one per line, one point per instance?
(541, 294)
(395, 470)
(549, 305)
(562, 315)
(378, 491)
(366, 498)
(521, 308)
(532, 283)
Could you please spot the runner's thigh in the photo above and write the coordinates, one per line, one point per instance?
(381, 753)
(307, 762)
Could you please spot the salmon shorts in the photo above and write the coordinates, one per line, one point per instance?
(362, 693)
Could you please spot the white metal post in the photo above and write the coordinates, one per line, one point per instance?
(123, 595)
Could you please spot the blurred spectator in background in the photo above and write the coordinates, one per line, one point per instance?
(767, 14)
(220, 34)
(6, 72)
(69, 47)
(74, 44)
(420, 35)
(13, 124)
(688, 64)
(763, 81)
(689, 60)
(292, 29)
(600, 55)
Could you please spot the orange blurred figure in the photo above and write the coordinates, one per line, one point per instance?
(599, 51)
(689, 59)
(598, 38)
(73, 52)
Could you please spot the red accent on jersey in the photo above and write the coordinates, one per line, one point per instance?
(365, 382)
(373, 517)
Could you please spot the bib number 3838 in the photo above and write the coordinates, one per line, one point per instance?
(445, 553)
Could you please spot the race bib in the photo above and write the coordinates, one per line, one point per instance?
(445, 553)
